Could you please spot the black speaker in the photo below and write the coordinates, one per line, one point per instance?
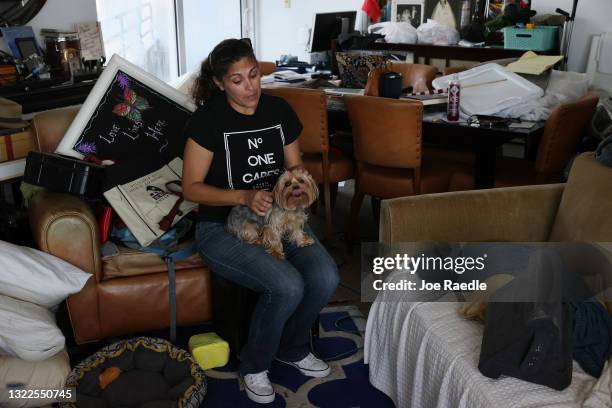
(390, 85)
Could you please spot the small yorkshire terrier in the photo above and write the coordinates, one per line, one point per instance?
(294, 191)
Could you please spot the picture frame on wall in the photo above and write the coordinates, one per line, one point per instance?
(409, 11)
(446, 12)
(494, 8)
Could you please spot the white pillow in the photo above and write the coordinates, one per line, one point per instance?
(20, 375)
(28, 331)
(37, 277)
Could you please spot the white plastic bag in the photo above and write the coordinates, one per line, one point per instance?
(395, 32)
(567, 86)
(432, 32)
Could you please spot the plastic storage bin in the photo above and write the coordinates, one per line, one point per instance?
(541, 38)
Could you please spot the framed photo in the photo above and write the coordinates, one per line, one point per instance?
(126, 105)
(410, 11)
(447, 12)
(130, 118)
(494, 8)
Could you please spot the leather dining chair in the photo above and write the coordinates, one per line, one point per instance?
(327, 167)
(387, 146)
(562, 133)
(267, 67)
(412, 74)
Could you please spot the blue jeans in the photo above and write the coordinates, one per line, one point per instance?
(291, 292)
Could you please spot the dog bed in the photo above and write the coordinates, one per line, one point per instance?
(142, 372)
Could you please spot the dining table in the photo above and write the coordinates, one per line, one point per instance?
(485, 142)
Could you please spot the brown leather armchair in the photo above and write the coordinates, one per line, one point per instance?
(126, 294)
(411, 75)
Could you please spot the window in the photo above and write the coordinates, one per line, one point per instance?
(206, 23)
(145, 31)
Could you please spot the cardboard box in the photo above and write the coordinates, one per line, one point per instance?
(17, 145)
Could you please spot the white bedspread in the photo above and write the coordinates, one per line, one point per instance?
(425, 355)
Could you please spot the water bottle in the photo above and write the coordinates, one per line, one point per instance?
(454, 99)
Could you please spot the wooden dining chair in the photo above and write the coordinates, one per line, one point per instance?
(387, 146)
(267, 67)
(327, 167)
(562, 134)
(412, 74)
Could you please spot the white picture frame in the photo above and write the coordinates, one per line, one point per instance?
(411, 11)
(100, 90)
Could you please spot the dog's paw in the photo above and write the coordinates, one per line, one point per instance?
(306, 241)
(277, 253)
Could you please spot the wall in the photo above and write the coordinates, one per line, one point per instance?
(592, 17)
(281, 30)
(62, 15)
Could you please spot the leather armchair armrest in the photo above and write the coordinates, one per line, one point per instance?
(64, 226)
(511, 214)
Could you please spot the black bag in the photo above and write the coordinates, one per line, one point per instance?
(14, 225)
(64, 174)
(529, 341)
(532, 340)
(356, 41)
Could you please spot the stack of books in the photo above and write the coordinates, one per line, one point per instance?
(436, 97)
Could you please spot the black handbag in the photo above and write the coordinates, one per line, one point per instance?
(64, 174)
(529, 341)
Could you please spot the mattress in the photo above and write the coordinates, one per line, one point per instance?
(423, 354)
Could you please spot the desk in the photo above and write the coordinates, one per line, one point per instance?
(45, 98)
(39, 99)
(452, 52)
(484, 142)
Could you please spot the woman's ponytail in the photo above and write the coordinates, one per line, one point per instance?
(204, 87)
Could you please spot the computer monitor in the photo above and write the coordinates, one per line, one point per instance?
(327, 26)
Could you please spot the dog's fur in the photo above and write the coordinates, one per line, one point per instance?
(294, 191)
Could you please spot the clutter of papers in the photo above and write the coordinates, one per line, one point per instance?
(534, 64)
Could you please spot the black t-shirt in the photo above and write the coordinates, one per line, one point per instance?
(248, 149)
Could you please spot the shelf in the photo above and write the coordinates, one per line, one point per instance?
(12, 169)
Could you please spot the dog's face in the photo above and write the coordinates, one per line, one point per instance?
(295, 190)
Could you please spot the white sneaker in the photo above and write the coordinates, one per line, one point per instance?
(310, 366)
(259, 388)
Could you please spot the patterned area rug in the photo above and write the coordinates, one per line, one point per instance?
(347, 386)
